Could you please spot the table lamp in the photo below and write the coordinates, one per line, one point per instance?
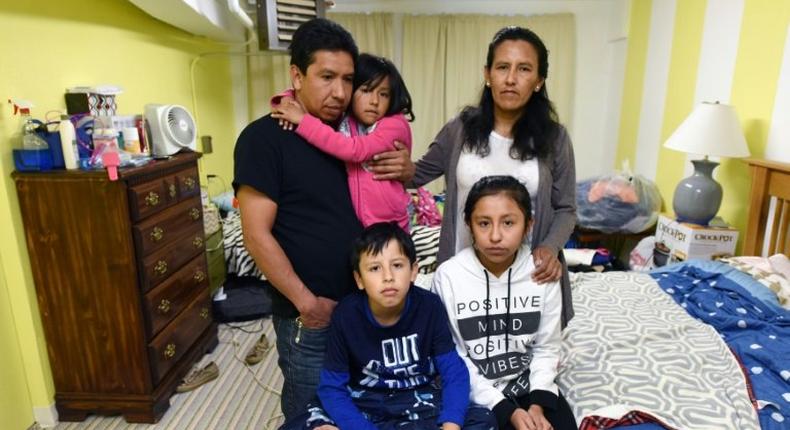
(711, 129)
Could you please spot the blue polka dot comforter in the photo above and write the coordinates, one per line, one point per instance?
(758, 333)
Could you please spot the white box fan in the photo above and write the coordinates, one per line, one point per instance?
(170, 129)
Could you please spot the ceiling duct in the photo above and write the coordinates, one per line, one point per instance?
(279, 19)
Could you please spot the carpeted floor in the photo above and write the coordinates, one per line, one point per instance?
(240, 398)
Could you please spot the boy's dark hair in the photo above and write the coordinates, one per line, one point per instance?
(375, 237)
(534, 132)
(319, 35)
(371, 70)
(493, 185)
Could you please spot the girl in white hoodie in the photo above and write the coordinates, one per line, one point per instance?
(506, 327)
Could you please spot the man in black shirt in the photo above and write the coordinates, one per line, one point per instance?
(297, 218)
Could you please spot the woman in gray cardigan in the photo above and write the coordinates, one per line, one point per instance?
(513, 131)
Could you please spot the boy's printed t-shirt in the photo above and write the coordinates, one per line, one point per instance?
(398, 357)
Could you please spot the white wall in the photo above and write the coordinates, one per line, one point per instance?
(601, 45)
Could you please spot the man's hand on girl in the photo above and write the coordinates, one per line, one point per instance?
(393, 165)
(290, 113)
(547, 266)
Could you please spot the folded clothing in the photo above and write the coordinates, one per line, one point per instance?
(589, 257)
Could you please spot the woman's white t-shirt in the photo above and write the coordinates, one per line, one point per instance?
(472, 167)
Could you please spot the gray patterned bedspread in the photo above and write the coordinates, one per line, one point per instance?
(631, 347)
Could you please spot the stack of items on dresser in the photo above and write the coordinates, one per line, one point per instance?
(89, 135)
(92, 135)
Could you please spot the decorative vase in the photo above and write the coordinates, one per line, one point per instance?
(698, 198)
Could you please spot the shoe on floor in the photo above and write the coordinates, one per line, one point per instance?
(258, 351)
(198, 377)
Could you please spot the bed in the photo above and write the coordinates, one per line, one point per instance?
(697, 345)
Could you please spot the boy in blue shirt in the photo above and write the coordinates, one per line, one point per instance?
(387, 344)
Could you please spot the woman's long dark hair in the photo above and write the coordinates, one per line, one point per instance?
(535, 131)
(370, 70)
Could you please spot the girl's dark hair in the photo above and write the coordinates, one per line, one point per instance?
(376, 236)
(371, 70)
(501, 184)
(538, 126)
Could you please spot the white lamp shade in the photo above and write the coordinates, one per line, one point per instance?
(711, 129)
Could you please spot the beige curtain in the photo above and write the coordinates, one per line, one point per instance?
(425, 76)
(444, 55)
(267, 75)
(372, 32)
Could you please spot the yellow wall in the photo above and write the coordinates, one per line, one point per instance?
(764, 27)
(63, 43)
(763, 33)
(15, 406)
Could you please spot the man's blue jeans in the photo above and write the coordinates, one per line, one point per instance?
(300, 363)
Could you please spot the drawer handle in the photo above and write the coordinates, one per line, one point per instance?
(157, 234)
(164, 306)
(170, 351)
(172, 190)
(197, 242)
(194, 213)
(199, 276)
(189, 183)
(204, 313)
(152, 199)
(161, 267)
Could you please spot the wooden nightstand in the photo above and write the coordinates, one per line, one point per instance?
(619, 244)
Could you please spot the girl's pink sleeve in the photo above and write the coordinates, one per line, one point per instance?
(358, 148)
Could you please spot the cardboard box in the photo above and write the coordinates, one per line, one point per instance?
(695, 242)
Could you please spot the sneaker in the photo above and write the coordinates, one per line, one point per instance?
(258, 351)
(198, 377)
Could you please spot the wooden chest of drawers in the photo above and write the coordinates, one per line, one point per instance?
(122, 284)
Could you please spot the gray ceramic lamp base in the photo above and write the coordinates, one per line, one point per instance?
(698, 198)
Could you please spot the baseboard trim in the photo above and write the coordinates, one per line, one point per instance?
(47, 416)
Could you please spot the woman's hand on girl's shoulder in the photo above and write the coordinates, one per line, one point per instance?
(547, 265)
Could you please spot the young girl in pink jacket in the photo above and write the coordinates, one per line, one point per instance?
(380, 106)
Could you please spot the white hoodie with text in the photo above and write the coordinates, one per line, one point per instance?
(507, 329)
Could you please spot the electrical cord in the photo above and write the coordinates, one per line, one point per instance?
(236, 346)
(243, 327)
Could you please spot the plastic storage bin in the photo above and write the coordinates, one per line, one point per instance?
(32, 160)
